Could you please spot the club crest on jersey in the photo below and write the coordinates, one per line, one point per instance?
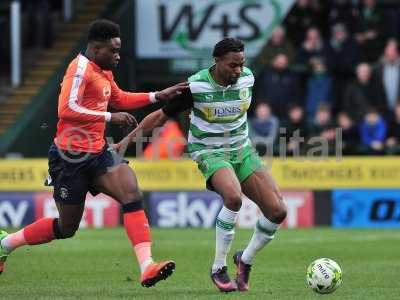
(64, 193)
(106, 91)
(244, 93)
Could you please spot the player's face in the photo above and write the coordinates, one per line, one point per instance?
(107, 56)
(230, 66)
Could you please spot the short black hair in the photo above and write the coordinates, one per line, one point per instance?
(103, 30)
(227, 45)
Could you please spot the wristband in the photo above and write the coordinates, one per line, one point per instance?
(152, 97)
(107, 116)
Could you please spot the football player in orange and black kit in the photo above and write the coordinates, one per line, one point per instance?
(80, 159)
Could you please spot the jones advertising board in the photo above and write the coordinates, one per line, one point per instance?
(199, 209)
(366, 208)
(186, 28)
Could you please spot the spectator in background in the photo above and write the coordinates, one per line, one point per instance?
(359, 94)
(168, 144)
(40, 23)
(319, 88)
(312, 47)
(393, 136)
(392, 15)
(295, 124)
(278, 86)
(373, 132)
(277, 44)
(342, 11)
(370, 30)
(342, 58)
(386, 78)
(342, 51)
(302, 16)
(323, 126)
(350, 135)
(264, 129)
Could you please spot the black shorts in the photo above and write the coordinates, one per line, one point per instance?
(72, 175)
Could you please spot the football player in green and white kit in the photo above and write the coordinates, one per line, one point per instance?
(218, 141)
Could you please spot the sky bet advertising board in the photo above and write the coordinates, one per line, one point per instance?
(20, 209)
(366, 208)
(16, 209)
(199, 209)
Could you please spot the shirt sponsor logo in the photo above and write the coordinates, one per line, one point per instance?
(225, 112)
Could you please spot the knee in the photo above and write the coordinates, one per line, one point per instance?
(233, 200)
(132, 196)
(68, 231)
(279, 211)
(280, 214)
(275, 208)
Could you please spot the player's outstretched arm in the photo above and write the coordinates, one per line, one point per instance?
(172, 92)
(145, 128)
(125, 100)
(180, 102)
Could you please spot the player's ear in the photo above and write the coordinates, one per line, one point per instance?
(97, 47)
(93, 47)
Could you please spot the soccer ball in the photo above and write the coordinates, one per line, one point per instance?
(324, 275)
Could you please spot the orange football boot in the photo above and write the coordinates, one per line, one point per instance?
(156, 272)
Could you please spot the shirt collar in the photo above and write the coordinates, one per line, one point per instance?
(212, 80)
(93, 64)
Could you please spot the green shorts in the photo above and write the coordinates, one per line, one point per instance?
(243, 162)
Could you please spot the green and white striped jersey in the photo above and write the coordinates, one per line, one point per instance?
(218, 121)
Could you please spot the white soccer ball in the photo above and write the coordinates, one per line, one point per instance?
(324, 275)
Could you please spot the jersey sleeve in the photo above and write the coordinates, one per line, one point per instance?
(126, 100)
(72, 91)
(178, 104)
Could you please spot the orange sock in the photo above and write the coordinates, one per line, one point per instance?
(138, 230)
(143, 255)
(39, 232)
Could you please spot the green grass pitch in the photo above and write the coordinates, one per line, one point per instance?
(99, 264)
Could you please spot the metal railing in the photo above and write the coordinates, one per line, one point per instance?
(68, 9)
